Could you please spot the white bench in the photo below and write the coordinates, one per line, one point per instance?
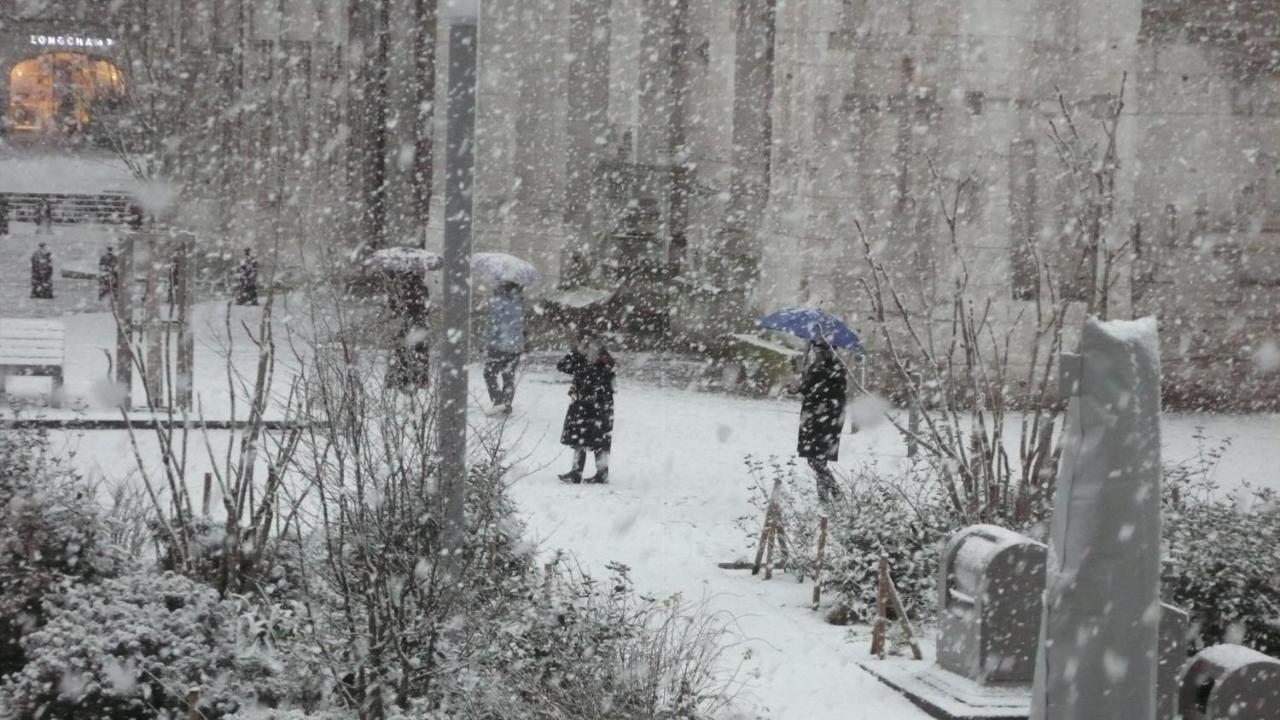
(33, 347)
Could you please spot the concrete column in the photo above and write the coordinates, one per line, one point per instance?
(367, 90)
(587, 114)
(653, 92)
(735, 261)
(679, 83)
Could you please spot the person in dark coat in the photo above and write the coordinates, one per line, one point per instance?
(4, 216)
(823, 389)
(108, 273)
(135, 217)
(588, 424)
(504, 342)
(409, 300)
(42, 273)
(247, 279)
(44, 223)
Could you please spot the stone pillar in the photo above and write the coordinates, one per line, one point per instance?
(540, 121)
(680, 154)
(587, 115)
(367, 81)
(735, 261)
(1099, 636)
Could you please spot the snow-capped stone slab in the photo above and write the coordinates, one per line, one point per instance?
(1099, 634)
(947, 696)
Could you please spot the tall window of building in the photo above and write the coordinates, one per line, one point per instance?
(1023, 227)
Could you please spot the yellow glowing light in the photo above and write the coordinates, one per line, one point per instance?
(56, 92)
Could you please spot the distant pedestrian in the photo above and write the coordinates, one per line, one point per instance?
(588, 425)
(410, 303)
(246, 285)
(44, 220)
(823, 390)
(108, 273)
(135, 217)
(42, 273)
(4, 216)
(505, 343)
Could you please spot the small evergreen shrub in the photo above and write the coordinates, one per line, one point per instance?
(50, 536)
(902, 518)
(130, 648)
(1224, 555)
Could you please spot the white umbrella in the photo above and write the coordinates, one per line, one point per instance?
(405, 259)
(502, 267)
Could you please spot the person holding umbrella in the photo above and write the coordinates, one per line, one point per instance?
(403, 273)
(505, 343)
(505, 333)
(588, 424)
(823, 388)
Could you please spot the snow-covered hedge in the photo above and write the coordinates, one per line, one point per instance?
(902, 517)
(49, 536)
(1224, 553)
(131, 647)
(1226, 573)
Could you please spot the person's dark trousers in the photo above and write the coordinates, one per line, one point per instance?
(828, 488)
(501, 366)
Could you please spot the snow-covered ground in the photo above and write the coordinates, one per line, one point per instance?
(41, 169)
(678, 485)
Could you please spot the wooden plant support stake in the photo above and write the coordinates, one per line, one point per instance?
(903, 621)
(547, 570)
(784, 547)
(204, 499)
(770, 522)
(193, 704)
(886, 597)
(822, 552)
(878, 630)
(766, 533)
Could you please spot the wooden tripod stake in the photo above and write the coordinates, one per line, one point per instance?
(772, 530)
(822, 553)
(886, 597)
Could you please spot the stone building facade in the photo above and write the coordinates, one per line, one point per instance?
(736, 143)
(765, 128)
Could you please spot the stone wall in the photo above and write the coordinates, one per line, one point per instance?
(865, 103)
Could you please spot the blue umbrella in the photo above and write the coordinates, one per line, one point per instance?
(812, 324)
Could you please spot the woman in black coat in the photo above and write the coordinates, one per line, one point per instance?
(588, 425)
(410, 305)
(823, 389)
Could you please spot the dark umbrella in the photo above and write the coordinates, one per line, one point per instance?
(812, 324)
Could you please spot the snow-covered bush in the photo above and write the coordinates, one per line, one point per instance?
(1226, 572)
(49, 536)
(876, 519)
(584, 648)
(1225, 556)
(902, 518)
(131, 647)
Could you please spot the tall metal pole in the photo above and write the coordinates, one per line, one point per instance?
(460, 133)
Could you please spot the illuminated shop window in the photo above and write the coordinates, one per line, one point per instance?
(60, 92)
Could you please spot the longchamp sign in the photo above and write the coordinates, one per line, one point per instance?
(78, 41)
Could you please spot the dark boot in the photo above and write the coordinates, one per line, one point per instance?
(574, 476)
(828, 487)
(602, 469)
